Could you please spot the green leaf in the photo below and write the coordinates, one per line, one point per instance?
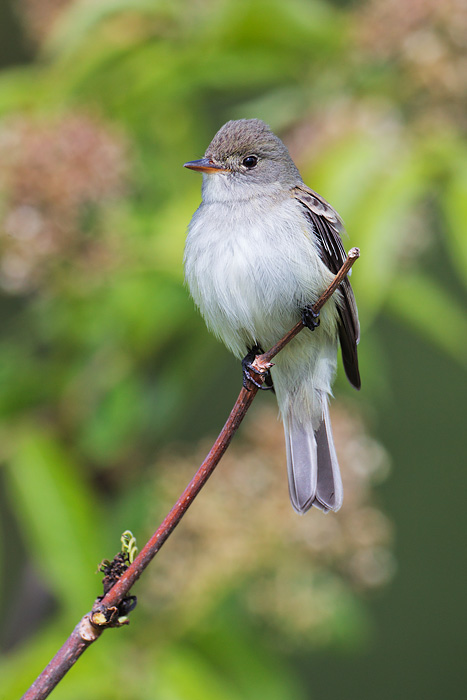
(60, 521)
(184, 673)
(82, 17)
(432, 311)
(454, 204)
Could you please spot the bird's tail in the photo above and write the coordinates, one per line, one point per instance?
(314, 476)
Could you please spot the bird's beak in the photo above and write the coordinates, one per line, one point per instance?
(205, 165)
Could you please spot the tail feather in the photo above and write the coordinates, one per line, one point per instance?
(313, 470)
(301, 464)
(330, 491)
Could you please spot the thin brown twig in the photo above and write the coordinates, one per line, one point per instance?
(105, 611)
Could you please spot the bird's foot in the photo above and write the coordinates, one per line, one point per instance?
(310, 318)
(250, 367)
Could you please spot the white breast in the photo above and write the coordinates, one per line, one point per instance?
(250, 266)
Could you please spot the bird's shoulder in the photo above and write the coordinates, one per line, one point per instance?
(327, 225)
(318, 206)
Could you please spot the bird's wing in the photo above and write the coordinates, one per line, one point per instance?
(327, 227)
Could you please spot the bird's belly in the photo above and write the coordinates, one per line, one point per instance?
(250, 300)
(251, 274)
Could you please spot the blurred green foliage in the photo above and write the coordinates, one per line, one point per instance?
(102, 357)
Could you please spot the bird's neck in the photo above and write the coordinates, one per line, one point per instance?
(226, 188)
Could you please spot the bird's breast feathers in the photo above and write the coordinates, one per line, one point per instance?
(251, 266)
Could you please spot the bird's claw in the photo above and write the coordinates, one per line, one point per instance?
(310, 318)
(249, 370)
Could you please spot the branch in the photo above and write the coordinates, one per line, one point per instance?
(105, 611)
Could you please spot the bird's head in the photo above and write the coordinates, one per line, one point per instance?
(244, 157)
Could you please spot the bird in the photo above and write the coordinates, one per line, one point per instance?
(260, 250)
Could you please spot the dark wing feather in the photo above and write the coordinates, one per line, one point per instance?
(327, 227)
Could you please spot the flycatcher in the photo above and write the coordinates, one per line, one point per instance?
(261, 248)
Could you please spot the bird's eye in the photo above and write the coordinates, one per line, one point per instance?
(250, 161)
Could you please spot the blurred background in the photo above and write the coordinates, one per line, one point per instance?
(111, 388)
